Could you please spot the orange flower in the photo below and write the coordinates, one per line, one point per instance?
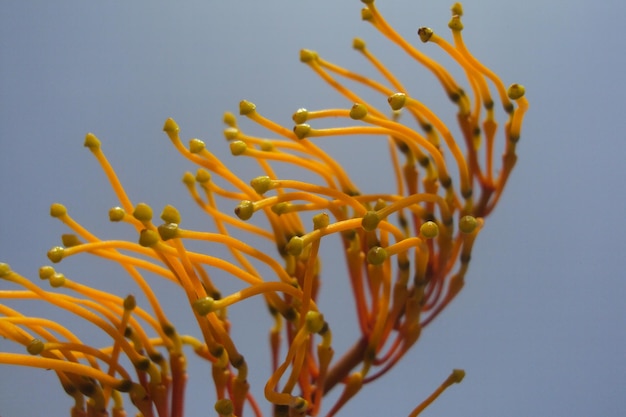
(407, 248)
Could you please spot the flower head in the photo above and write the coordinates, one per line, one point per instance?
(407, 248)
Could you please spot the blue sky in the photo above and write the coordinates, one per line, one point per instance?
(540, 325)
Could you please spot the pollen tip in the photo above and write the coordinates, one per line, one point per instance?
(302, 130)
(204, 305)
(116, 214)
(170, 214)
(397, 101)
(321, 220)
(196, 146)
(516, 91)
(366, 14)
(425, 34)
(246, 107)
(370, 221)
(203, 176)
(170, 126)
(376, 255)
(238, 147)
(91, 142)
(70, 239)
(455, 23)
(142, 212)
(468, 224)
(457, 9)
(307, 55)
(5, 269)
(300, 116)
(314, 321)
(295, 246)
(231, 133)
(358, 111)
(224, 407)
(261, 184)
(359, 44)
(35, 347)
(244, 210)
(45, 272)
(56, 254)
(230, 119)
(130, 302)
(168, 231)
(429, 229)
(57, 210)
(57, 280)
(148, 238)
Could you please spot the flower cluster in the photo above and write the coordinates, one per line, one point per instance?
(407, 248)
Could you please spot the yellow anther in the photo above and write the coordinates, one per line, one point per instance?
(45, 272)
(358, 111)
(246, 107)
(244, 210)
(5, 269)
(397, 101)
(516, 91)
(457, 9)
(57, 210)
(468, 224)
(295, 246)
(314, 321)
(116, 214)
(170, 126)
(229, 119)
(170, 214)
(204, 305)
(238, 147)
(425, 34)
(148, 238)
(35, 347)
(261, 184)
(455, 23)
(142, 212)
(370, 221)
(366, 14)
(300, 116)
(231, 133)
(320, 221)
(302, 130)
(70, 239)
(203, 176)
(358, 44)
(91, 142)
(168, 231)
(376, 255)
(130, 303)
(429, 230)
(56, 254)
(224, 407)
(57, 280)
(306, 55)
(196, 146)
(280, 208)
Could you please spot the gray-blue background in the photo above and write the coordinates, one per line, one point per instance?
(540, 326)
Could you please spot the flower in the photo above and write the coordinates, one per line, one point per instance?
(407, 248)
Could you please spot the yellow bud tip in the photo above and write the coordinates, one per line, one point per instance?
(5, 269)
(300, 116)
(429, 230)
(299, 405)
(91, 142)
(188, 179)
(358, 44)
(267, 146)
(261, 184)
(196, 146)
(168, 231)
(370, 221)
(244, 210)
(142, 212)
(224, 407)
(457, 9)
(376, 256)
(56, 254)
(306, 55)
(238, 147)
(116, 214)
(57, 210)
(130, 303)
(246, 107)
(231, 133)
(148, 238)
(57, 280)
(45, 272)
(204, 305)
(230, 119)
(295, 246)
(397, 101)
(314, 321)
(468, 224)
(320, 221)
(425, 34)
(516, 91)
(70, 240)
(367, 1)
(170, 126)
(203, 176)
(358, 111)
(302, 130)
(35, 347)
(170, 214)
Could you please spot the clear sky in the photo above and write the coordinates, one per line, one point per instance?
(540, 326)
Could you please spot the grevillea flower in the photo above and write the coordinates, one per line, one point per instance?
(407, 248)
